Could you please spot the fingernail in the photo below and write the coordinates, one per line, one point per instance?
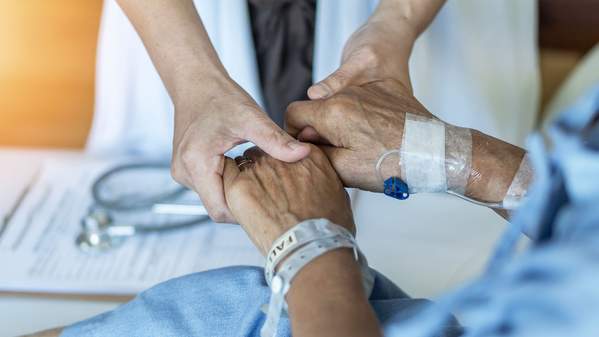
(318, 91)
(294, 145)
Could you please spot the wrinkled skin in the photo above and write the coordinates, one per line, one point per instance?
(356, 126)
(269, 197)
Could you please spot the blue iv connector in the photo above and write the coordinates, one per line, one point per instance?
(396, 188)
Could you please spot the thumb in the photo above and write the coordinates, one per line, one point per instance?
(276, 142)
(335, 82)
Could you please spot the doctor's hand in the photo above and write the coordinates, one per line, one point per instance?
(208, 123)
(268, 196)
(355, 126)
(378, 50)
(381, 48)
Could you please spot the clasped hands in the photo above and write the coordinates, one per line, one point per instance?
(349, 130)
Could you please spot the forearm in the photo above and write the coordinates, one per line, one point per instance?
(494, 165)
(471, 164)
(327, 299)
(415, 15)
(177, 42)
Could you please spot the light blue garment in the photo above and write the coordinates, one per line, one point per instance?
(222, 302)
(553, 288)
(550, 290)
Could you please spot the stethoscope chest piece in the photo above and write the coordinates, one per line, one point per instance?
(95, 236)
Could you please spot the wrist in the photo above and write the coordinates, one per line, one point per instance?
(337, 277)
(399, 16)
(199, 84)
(335, 273)
(494, 165)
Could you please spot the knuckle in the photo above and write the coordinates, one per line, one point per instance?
(177, 173)
(339, 105)
(294, 107)
(189, 159)
(338, 78)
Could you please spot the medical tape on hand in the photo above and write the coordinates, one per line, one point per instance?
(458, 158)
(435, 156)
(423, 154)
(517, 190)
(299, 235)
(281, 282)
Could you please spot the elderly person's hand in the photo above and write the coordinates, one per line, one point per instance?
(360, 123)
(268, 196)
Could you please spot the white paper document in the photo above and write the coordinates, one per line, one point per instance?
(38, 251)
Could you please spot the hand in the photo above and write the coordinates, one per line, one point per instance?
(210, 122)
(358, 124)
(380, 49)
(361, 123)
(268, 197)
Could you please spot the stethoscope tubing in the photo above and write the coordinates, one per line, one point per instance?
(144, 203)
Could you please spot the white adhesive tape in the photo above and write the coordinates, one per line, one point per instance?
(423, 154)
(517, 190)
(458, 158)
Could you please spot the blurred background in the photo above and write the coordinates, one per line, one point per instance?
(47, 61)
(47, 55)
(47, 71)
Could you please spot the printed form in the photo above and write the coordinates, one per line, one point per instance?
(38, 251)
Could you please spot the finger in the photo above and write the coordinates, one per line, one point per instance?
(338, 80)
(207, 181)
(230, 173)
(301, 115)
(254, 153)
(276, 142)
(310, 135)
(243, 162)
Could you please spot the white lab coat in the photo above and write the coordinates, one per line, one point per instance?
(475, 66)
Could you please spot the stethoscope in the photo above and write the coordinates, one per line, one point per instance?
(130, 189)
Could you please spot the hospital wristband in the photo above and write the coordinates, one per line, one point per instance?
(281, 282)
(301, 234)
(296, 248)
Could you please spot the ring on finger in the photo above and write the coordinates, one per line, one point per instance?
(243, 161)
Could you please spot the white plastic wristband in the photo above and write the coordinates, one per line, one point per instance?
(301, 234)
(282, 281)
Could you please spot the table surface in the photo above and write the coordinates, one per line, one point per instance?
(427, 245)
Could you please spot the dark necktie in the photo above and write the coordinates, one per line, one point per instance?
(283, 32)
